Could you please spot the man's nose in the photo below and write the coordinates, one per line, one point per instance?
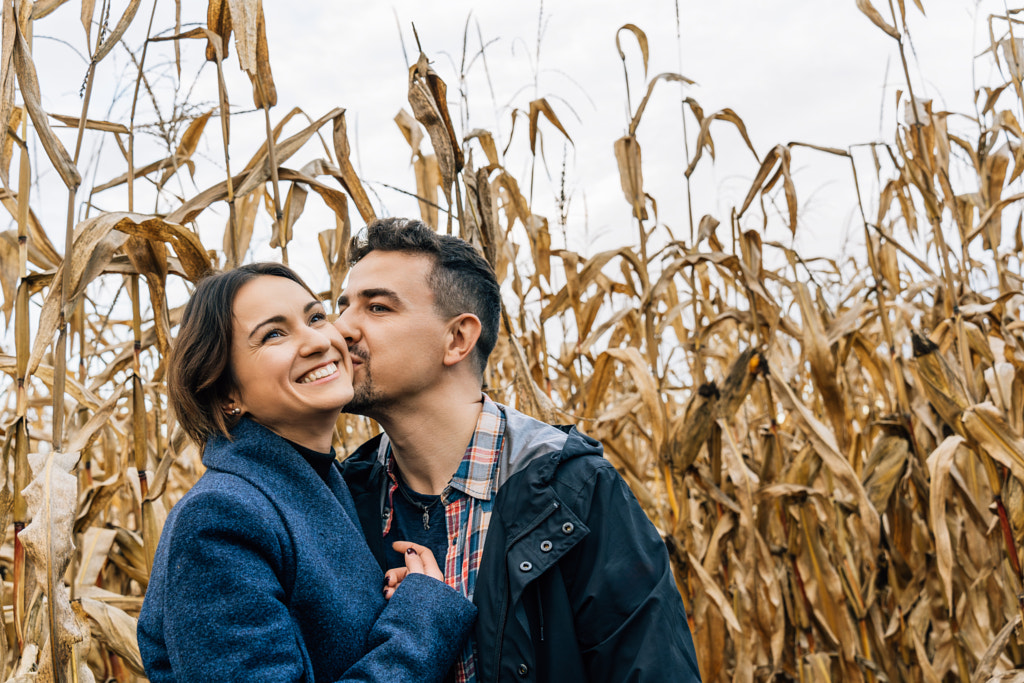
(344, 324)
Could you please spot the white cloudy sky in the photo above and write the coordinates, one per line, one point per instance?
(815, 71)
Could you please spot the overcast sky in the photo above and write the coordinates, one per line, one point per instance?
(798, 70)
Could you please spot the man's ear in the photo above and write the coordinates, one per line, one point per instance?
(463, 333)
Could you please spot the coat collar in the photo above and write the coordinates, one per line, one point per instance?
(270, 463)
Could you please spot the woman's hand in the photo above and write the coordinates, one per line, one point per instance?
(418, 560)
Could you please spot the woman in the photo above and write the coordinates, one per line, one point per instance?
(262, 572)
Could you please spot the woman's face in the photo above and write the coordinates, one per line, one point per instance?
(291, 366)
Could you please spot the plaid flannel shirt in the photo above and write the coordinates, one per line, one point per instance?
(467, 501)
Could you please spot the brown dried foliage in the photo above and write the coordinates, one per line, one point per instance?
(835, 460)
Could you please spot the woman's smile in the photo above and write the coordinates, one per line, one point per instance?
(291, 366)
(328, 371)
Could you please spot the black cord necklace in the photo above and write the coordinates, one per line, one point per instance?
(424, 508)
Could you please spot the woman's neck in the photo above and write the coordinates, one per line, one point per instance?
(316, 435)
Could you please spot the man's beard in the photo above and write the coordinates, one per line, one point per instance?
(366, 400)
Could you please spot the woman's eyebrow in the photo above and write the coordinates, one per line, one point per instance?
(280, 318)
(268, 321)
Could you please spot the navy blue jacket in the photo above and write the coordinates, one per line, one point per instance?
(262, 574)
(575, 583)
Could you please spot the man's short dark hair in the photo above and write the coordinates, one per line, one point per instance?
(200, 379)
(461, 280)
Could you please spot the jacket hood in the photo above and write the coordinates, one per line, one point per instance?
(531, 442)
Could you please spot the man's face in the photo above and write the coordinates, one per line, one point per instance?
(394, 334)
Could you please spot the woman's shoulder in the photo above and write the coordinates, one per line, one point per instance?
(222, 498)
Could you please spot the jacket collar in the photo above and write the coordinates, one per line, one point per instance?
(268, 462)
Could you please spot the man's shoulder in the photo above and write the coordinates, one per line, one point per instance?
(362, 458)
(553, 454)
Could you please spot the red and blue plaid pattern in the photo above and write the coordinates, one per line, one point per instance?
(467, 501)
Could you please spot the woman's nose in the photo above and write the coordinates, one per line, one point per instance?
(315, 341)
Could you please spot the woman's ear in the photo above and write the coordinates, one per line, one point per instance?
(463, 333)
(232, 407)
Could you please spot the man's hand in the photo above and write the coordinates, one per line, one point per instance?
(418, 560)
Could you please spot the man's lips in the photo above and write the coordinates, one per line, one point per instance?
(358, 357)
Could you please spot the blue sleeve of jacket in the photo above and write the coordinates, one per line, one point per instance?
(225, 615)
(630, 618)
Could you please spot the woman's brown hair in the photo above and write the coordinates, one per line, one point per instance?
(199, 379)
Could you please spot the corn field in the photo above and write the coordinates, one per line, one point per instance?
(833, 450)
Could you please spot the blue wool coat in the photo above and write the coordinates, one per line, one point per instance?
(262, 574)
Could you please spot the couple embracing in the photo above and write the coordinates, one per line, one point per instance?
(467, 542)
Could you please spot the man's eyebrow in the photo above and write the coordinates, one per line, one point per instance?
(372, 293)
(280, 318)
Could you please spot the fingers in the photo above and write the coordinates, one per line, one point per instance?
(418, 559)
(392, 578)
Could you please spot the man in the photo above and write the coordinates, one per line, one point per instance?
(571, 579)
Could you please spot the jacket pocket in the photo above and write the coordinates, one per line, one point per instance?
(540, 546)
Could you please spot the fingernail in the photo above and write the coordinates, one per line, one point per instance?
(410, 551)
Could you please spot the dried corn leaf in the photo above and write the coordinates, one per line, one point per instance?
(482, 136)
(42, 8)
(250, 29)
(631, 176)
(427, 95)
(115, 629)
(28, 85)
(538, 107)
(410, 130)
(717, 596)
(218, 21)
(88, 10)
(827, 449)
(823, 366)
(259, 165)
(186, 146)
(641, 39)
(704, 137)
(94, 243)
(942, 385)
(349, 178)
(8, 115)
(237, 235)
(115, 35)
(52, 500)
(939, 463)
(647, 387)
(884, 468)
(667, 76)
(989, 428)
(987, 663)
(96, 545)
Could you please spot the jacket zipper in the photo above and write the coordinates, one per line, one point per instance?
(504, 601)
(540, 610)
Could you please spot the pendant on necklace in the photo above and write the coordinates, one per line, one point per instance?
(426, 518)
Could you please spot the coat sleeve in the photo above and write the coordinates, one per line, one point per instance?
(225, 615)
(629, 616)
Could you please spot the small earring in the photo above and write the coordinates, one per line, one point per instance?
(236, 411)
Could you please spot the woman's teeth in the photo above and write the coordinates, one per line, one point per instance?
(319, 373)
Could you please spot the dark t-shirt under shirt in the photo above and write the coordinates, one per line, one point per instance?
(407, 525)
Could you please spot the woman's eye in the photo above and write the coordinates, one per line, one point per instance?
(318, 317)
(272, 334)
